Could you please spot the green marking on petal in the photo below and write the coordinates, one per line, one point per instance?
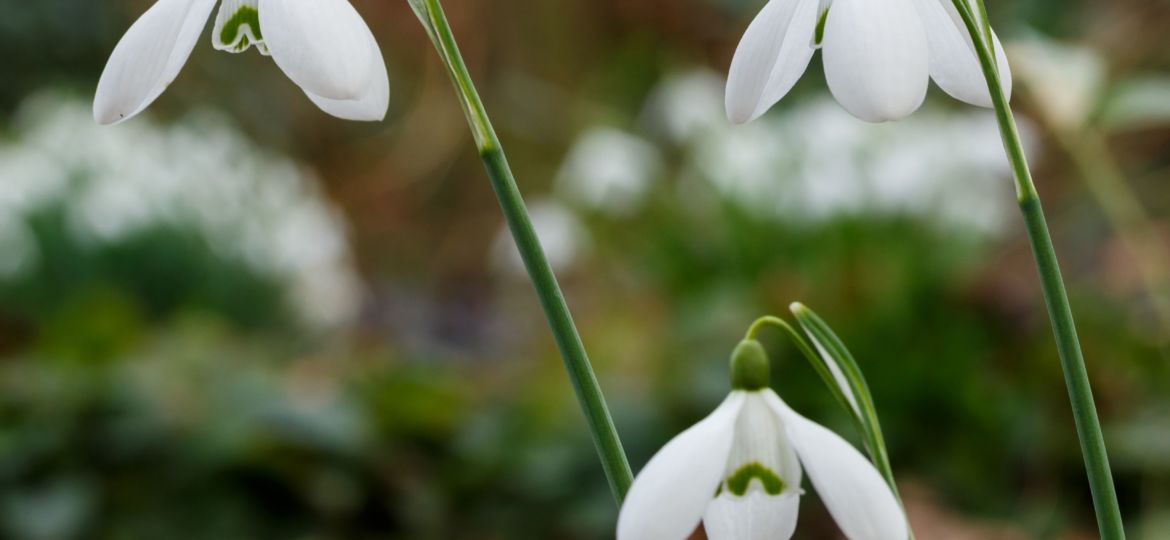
(738, 483)
(243, 23)
(820, 32)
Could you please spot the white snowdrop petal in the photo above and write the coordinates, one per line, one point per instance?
(852, 489)
(670, 494)
(771, 57)
(953, 63)
(322, 45)
(372, 105)
(755, 516)
(876, 60)
(148, 57)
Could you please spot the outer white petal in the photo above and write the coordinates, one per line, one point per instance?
(953, 64)
(672, 491)
(876, 58)
(322, 45)
(149, 57)
(853, 490)
(373, 103)
(771, 57)
(755, 516)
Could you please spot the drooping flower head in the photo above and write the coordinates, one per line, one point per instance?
(878, 54)
(324, 46)
(739, 473)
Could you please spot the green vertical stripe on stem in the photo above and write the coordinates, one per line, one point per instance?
(1068, 346)
(560, 321)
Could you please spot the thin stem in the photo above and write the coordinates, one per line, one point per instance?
(1076, 377)
(592, 402)
(985, 21)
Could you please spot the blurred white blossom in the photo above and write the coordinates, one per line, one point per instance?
(1066, 80)
(200, 174)
(679, 107)
(609, 170)
(813, 161)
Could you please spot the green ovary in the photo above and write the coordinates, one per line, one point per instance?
(738, 483)
(245, 15)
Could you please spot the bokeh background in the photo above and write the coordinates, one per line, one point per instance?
(235, 317)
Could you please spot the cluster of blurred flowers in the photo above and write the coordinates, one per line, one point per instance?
(809, 164)
(200, 174)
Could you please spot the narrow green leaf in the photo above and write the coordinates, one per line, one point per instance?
(846, 375)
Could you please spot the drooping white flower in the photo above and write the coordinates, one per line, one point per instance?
(739, 472)
(878, 56)
(324, 46)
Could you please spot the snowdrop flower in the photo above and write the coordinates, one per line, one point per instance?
(739, 472)
(324, 46)
(878, 56)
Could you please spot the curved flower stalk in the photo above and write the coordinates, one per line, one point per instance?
(878, 56)
(324, 46)
(739, 471)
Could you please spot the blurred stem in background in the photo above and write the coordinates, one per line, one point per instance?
(605, 437)
(1056, 298)
(1090, 154)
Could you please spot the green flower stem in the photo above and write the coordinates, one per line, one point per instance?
(1056, 298)
(605, 437)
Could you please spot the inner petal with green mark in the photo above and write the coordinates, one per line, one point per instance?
(237, 27)
(762, 459)
(739, 482)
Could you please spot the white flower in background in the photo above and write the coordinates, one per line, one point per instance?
(200, 174)
(1068, 81)
(878, 54)
(678, 106)
(739, 472)
(609, 170)
(324, 46)
(814, 162)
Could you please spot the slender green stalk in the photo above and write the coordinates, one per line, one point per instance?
(605, 437)
(1056, 298)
